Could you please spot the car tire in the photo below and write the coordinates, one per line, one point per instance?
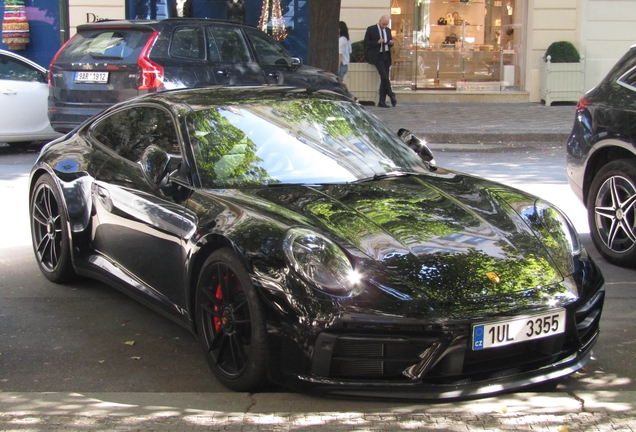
(50, 233)
(230, 323)
(611, 209)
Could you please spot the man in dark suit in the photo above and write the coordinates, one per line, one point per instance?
(378, 41)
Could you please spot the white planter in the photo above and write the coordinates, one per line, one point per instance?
(363, 81)
(562, 82)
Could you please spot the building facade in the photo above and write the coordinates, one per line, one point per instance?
(482, 45)
(478, 46)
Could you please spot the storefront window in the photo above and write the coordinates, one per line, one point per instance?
(456, 45)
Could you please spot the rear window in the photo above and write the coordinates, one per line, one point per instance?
(628, 79)
(113, 45)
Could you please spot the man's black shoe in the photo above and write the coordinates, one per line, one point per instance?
(393, 100)
(383, 105)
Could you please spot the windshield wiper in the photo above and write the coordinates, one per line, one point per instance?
(388, 175)
(101, 56)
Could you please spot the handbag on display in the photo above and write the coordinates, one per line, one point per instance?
(441, 21)
(451, 39)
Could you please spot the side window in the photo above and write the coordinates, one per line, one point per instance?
(628, 79)
(130, 131)
(14, 70)
(213, 48)
(268, 51)
(187, 43)
(231, 44)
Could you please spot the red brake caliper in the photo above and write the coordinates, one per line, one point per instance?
(217, 320)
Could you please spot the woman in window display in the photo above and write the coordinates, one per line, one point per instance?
(235, 11)
(182, 9)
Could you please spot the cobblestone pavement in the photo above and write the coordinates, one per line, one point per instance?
(556, 412)
(324, 421)
(440, 122)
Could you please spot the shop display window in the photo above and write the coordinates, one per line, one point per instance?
(456, 45)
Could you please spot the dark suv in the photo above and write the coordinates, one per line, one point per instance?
(601, 154)
(111, 61)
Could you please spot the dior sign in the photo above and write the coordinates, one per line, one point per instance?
(91, 18)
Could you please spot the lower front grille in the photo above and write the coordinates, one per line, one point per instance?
(357, 368)
(369, 357)
(588, 316)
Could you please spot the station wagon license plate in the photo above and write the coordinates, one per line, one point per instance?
(500, 333)
(91, 77)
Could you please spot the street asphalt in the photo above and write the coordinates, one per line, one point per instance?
(439, 123)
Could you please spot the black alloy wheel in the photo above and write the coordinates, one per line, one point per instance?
(49, 232)
(611, 209)
(230, 323)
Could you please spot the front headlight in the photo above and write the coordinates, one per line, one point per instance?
(320, 262)
(558, 225)
(556, 232)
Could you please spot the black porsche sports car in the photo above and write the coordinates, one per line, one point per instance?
(307, 244)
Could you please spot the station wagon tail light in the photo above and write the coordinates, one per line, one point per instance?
(582, 104)
(151, 72)
(49, 72)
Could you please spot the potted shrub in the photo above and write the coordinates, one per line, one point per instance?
(362, 79)
(562, 73)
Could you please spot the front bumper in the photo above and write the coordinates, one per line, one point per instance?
(405, 359)
(473, 389)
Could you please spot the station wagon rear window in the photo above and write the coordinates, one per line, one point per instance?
(116, 45)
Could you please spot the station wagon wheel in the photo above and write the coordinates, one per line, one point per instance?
(49, 232)
(230, 323)
(611, 208)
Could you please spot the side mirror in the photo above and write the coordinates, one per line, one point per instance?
(296, 61)
(154, 164)
(417, 145)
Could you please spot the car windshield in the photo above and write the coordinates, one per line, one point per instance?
(296, 142)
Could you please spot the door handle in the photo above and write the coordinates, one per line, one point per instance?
(103, 196)
(102, 193)
(222, 72)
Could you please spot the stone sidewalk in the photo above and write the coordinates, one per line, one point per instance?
(594, 411)
(463, 123)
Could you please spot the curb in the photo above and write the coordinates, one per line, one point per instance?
(492, 138)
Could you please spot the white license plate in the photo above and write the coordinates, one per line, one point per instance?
(507, 332)
(91, 77)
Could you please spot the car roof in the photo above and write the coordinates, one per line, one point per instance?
(24, 59)
(154, 24)
(209, 97)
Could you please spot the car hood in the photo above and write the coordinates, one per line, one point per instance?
(439, 237)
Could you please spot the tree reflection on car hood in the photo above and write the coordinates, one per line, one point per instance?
(435, 237)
